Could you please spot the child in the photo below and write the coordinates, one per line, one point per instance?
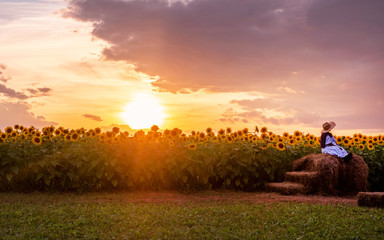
(329, 145)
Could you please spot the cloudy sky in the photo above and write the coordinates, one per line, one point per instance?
(284, 64)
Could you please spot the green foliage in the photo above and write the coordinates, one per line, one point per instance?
(86, 161)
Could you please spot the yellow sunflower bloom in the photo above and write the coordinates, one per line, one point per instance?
(297, 133)
(192, 146)
(8, 130)
(37, 140)
(264, 130)
(229, 139)
(361, 146)
(280, 146)
(221, 132)
(67, 137)
(75, 136)
(370, 147)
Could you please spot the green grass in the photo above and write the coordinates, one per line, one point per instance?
(71, 216)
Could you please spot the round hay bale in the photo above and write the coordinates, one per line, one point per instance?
(327, 166)
(335, 176)
(370, 199)
(353, 175)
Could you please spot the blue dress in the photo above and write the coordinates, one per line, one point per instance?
(329, 145)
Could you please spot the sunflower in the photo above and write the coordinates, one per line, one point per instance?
(264, 136)
(245, 131)
(291, 142)
(97, 130)
(57, 132)
(16, 127)
(280, 146)
(356, 139)
(31, 130)
(361, 146)
(67, 137)
(3, 136)
(297, 133)
(201, 135)
(171, 143)
(339, 139)
(221, 132)
(285, 135)
(229, 139)
(110, 134)
(13, 134)
(346, 141)
(375, 139)
(75, 136)
(264, 130)
(208, 130)
(370, 147)
(229, 130)
(37, 140)
(38, 134)
(8, 130)
(254, 139)
(192, 146)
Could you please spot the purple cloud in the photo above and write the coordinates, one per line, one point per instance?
(20, 113)
(319, 58)
(8, 92)
(93, 117)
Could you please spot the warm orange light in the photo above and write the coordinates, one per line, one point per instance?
(143, 112)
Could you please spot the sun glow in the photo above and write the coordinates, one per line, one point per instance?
(143, 112)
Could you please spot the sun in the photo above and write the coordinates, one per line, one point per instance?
(143, 112)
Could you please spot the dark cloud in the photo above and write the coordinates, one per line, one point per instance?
(20, 113)
(318, 58)
(9, 92)
(217, 44)
(93, 117)
(44, 90)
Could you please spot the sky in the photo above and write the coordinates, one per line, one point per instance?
(284, 64)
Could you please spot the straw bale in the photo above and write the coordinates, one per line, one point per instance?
(335, 176)
(371, 199)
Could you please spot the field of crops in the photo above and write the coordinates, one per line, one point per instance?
(59, 159)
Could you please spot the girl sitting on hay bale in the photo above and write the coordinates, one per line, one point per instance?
(329, 145)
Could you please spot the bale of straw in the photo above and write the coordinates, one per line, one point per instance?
(327, 166)
(353, 175)
(370, 199)
(335, 176)
(308, 179)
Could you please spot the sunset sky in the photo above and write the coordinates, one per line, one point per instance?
(285, 64)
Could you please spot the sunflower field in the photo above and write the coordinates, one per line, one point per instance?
(60, 159)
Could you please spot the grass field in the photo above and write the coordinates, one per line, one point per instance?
(121, 216)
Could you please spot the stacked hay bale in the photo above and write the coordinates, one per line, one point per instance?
(370, 199)
(324, 174)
